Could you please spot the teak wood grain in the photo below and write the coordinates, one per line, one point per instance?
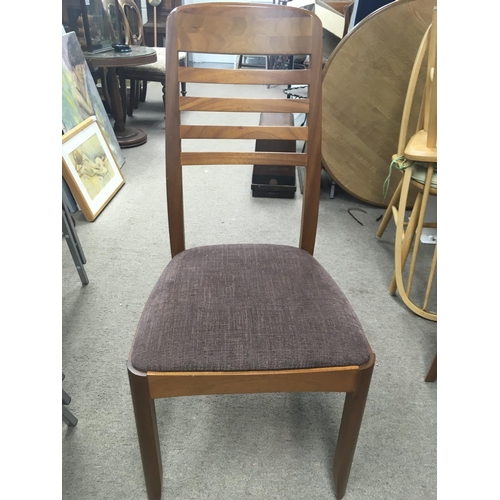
(338, 379)
(245, 76)
(273, 33)
(251, 158)
(245, 29)
(244, 105)
(243, 132)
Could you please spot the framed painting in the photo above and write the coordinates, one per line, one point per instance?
(80, 96)
(90, 168)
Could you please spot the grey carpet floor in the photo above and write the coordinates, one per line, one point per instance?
(272, 446)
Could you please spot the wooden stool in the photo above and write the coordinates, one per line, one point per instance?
(274, 181)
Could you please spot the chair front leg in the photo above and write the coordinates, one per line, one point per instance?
(350, 425)
(131, 99)
(144, 89)
(147, 432)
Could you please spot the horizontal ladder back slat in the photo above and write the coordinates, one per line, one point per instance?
(290, 133)
(245, 76)
(190, 103)
(251, 158)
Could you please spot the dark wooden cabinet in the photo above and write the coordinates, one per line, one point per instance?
(162, 11)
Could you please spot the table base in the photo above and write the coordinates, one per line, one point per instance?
(131, 137)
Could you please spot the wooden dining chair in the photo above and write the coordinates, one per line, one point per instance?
(417, 159)
(245, 318)
(139, 76)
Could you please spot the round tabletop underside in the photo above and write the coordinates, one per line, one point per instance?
(364, 88)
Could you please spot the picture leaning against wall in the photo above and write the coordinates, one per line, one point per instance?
(80, 97)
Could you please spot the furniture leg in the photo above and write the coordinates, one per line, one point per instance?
(388, 213)
(432, 273)
(408, 238)
(144, 88)
(350, 425)
(432, 373)
(421, 218)
(399, 254)
(147, 432)
(68, 418)
(74, 245)
(123, 91)
(131, 99)
(66, 399)
(127, 136)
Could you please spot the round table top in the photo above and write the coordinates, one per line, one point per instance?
(364, 87)
(112, 59)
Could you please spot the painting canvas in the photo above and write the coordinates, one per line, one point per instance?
(89, 168)
(80, 97)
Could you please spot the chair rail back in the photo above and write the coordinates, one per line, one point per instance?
(248, 29)
(427, 120)
(132, 22)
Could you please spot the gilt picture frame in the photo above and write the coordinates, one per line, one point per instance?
(90, 168)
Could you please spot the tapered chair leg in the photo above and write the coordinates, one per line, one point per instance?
(147, 432)
(432, 373)
(388, 213)
(350, 425)
(408, 236)
(144, 89)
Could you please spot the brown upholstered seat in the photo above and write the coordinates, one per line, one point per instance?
(247, 307)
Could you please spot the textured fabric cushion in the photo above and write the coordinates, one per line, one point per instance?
(246, 307)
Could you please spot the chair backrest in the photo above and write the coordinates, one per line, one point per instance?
(427, 119)
(132, 22)
(112, 19)
(236, 28)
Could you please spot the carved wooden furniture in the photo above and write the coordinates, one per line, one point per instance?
(249, 318)
(141, 75)
(417, 158)
(115, 63)
(364, 88)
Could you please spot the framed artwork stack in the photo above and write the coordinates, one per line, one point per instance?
(89, 167)
(80, 97)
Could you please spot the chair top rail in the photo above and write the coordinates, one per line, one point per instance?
(233, 31)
